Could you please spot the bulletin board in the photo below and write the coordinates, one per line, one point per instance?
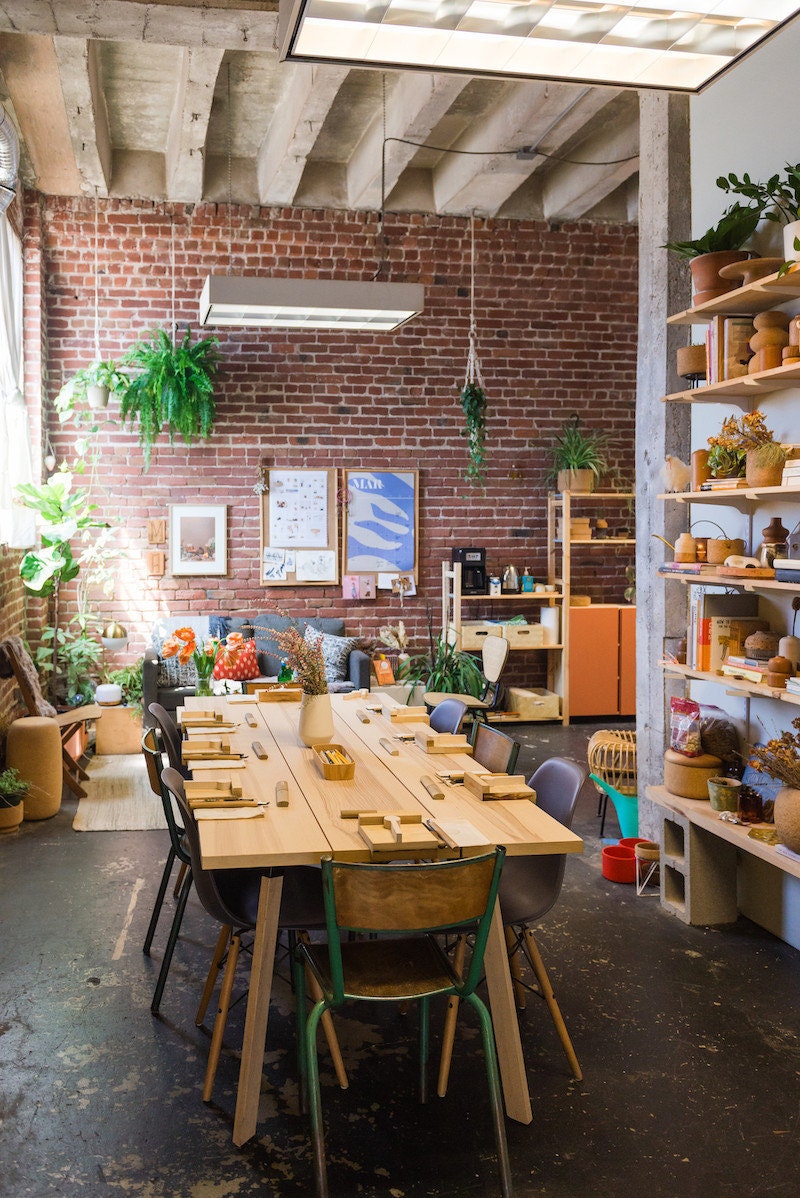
(299, 529)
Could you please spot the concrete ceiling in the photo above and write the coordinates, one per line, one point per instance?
(186, 101)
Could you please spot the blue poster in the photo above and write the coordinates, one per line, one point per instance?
(381, 522)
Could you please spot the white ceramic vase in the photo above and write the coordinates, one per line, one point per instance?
(791, 231)
(787, 817)
(316, 720)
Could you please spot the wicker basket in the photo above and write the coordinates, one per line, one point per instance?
(612, 756)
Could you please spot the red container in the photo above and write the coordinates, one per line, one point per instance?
(630, 842)
(619, 863)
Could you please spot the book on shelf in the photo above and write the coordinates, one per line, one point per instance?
(723, 622)
(793, 686)
(744, 663)
(723, 484)
(687, 568)
(749, 674)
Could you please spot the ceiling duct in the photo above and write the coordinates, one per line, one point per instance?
(9, 159)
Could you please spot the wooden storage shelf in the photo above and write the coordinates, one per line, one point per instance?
(741, 685)
(746, 387)
(739, 497)
(756, 297)
(720, 580)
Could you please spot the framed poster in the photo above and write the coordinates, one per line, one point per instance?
(381, 518)
(198, 538)
(299, 528)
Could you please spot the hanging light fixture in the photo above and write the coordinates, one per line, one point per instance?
(638, 43)
(266, 302)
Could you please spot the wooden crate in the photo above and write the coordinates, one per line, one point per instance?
(119, 730)
(475, 632)
(524, 636)
(534, 704)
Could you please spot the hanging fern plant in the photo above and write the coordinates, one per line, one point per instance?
(473, 403)
(174, 388)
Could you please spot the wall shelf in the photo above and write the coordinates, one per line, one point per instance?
(757, 297)
(740, 497)
(739, 685)
(721, 580)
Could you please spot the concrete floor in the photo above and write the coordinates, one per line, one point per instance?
(688, 1040)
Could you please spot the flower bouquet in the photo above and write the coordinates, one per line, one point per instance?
(183, 645)
(304, 658)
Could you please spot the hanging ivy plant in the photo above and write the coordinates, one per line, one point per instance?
(174, 388)
(473, 403)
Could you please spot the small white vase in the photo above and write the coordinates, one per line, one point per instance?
(787, 817)
(791, 231)
(316, 720)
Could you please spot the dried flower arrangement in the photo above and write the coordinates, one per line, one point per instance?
(304, 657)
(780, 757)
(394, 636)
(729, 447)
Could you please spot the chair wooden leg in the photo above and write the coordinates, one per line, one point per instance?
(213, 972)
(315, 990)
(69, 781)
(451, 1018)
(222, 1016)
(537, 964)
(179, 879)
(515, 967)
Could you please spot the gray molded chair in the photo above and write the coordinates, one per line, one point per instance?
(231, 897)
(448, 716)
(493, 749)
(411, 904)
(529, 888)
(494, 655)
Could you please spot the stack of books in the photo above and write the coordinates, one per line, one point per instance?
(724, 484)
(791, 473)
(793, 685)
(749, 668)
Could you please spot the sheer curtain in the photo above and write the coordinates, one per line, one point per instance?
(17, 524)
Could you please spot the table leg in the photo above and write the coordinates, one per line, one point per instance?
(506, 1025)
(255, 1024)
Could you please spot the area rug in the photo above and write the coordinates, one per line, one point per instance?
(119, 797)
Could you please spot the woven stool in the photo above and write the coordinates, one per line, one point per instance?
(34, 748)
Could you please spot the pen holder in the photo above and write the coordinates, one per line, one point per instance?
(334, 771)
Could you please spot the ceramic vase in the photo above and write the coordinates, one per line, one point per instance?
(787, 817)
(97, 397)
(316, 720)
(791, 231)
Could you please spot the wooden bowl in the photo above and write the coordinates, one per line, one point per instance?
(752, 270)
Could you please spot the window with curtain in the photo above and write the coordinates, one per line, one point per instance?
(17, 524)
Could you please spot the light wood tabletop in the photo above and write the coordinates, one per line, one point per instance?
(388, 778)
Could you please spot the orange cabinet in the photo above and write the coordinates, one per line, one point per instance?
(601, 660)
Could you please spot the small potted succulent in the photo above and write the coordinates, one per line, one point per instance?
(578, 458)
(719, 246)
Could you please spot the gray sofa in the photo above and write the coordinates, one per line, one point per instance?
(164, 681)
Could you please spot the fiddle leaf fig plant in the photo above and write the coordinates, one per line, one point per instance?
(473, 404)
(173, 389)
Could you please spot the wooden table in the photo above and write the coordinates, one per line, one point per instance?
(312, 827)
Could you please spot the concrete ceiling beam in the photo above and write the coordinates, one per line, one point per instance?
(188, 124)
(87, 114)
(572, 190)
(31, 72)
(415, 106)
(306, 101)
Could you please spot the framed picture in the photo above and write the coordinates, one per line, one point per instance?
(198, 538)
(299, 528)
(381, 519)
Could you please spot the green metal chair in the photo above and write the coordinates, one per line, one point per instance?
(408, 903)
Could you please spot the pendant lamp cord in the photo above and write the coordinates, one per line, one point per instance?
(96, 285)
(230, 174)
(172, 272)
(474, 373)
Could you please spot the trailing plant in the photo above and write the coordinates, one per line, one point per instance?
(778, 198)
(130, 679)
(174, 388)
(730, 233)
(473, 404)
(97, 374)
(575, 449)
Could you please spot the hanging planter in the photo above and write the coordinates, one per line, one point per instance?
(473, 396)
(174, 388)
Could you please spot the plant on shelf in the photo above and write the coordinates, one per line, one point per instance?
(473, 405)
(13, 788)
(174, 388)
(732, 230)
(183, 645)
(745, 446)
(129, 678)
(576, 450)
(92, 386)
(443, 668)
(778, 198)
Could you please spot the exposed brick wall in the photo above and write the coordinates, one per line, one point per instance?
(556, 312)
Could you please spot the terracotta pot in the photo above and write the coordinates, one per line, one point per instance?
(705, 277)
(700, 470)
(787, 817)
(762, 476)
(316, 720)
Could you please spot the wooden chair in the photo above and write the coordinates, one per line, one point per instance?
(494, 655)
(16, 662)
(411, 903)
(493, 749)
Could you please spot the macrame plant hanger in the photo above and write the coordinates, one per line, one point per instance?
(473, 396)
(474, 373)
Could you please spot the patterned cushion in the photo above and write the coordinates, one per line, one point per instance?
(170, 670)
(336, 652)
(239, 664)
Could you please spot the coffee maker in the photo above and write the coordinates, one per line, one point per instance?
(473, 570)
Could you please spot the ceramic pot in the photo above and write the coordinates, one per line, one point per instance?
(97, 397)
(787, 817)
(705, 274)
(10, 813)
(791, 231)
(581, 482)
(724, 793)
(316, 720)
(700, 470)
(762, 476)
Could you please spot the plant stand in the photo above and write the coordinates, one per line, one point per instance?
(118, 732)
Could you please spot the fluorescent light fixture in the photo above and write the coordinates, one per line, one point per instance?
(308, 303)
(630, 43)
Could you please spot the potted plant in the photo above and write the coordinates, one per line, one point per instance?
(92, 385)
(719, 246)
(473, 405)
(174, 388)
(778, 199)
(443, 668)
(578, 458)
(780, 758)
(129, 680)
(745, 446)
(13, 789)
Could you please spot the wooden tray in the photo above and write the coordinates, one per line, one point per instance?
(334, 771)
(442, 742)
(284, 692)
(498, 786)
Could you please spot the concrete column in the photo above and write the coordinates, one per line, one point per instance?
(664, 288)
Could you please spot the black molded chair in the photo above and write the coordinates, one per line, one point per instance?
(231, 897)
(178, 850)
(170, 737)
(448, 716)
(529, 888)
(411, 903)
(493, 749)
